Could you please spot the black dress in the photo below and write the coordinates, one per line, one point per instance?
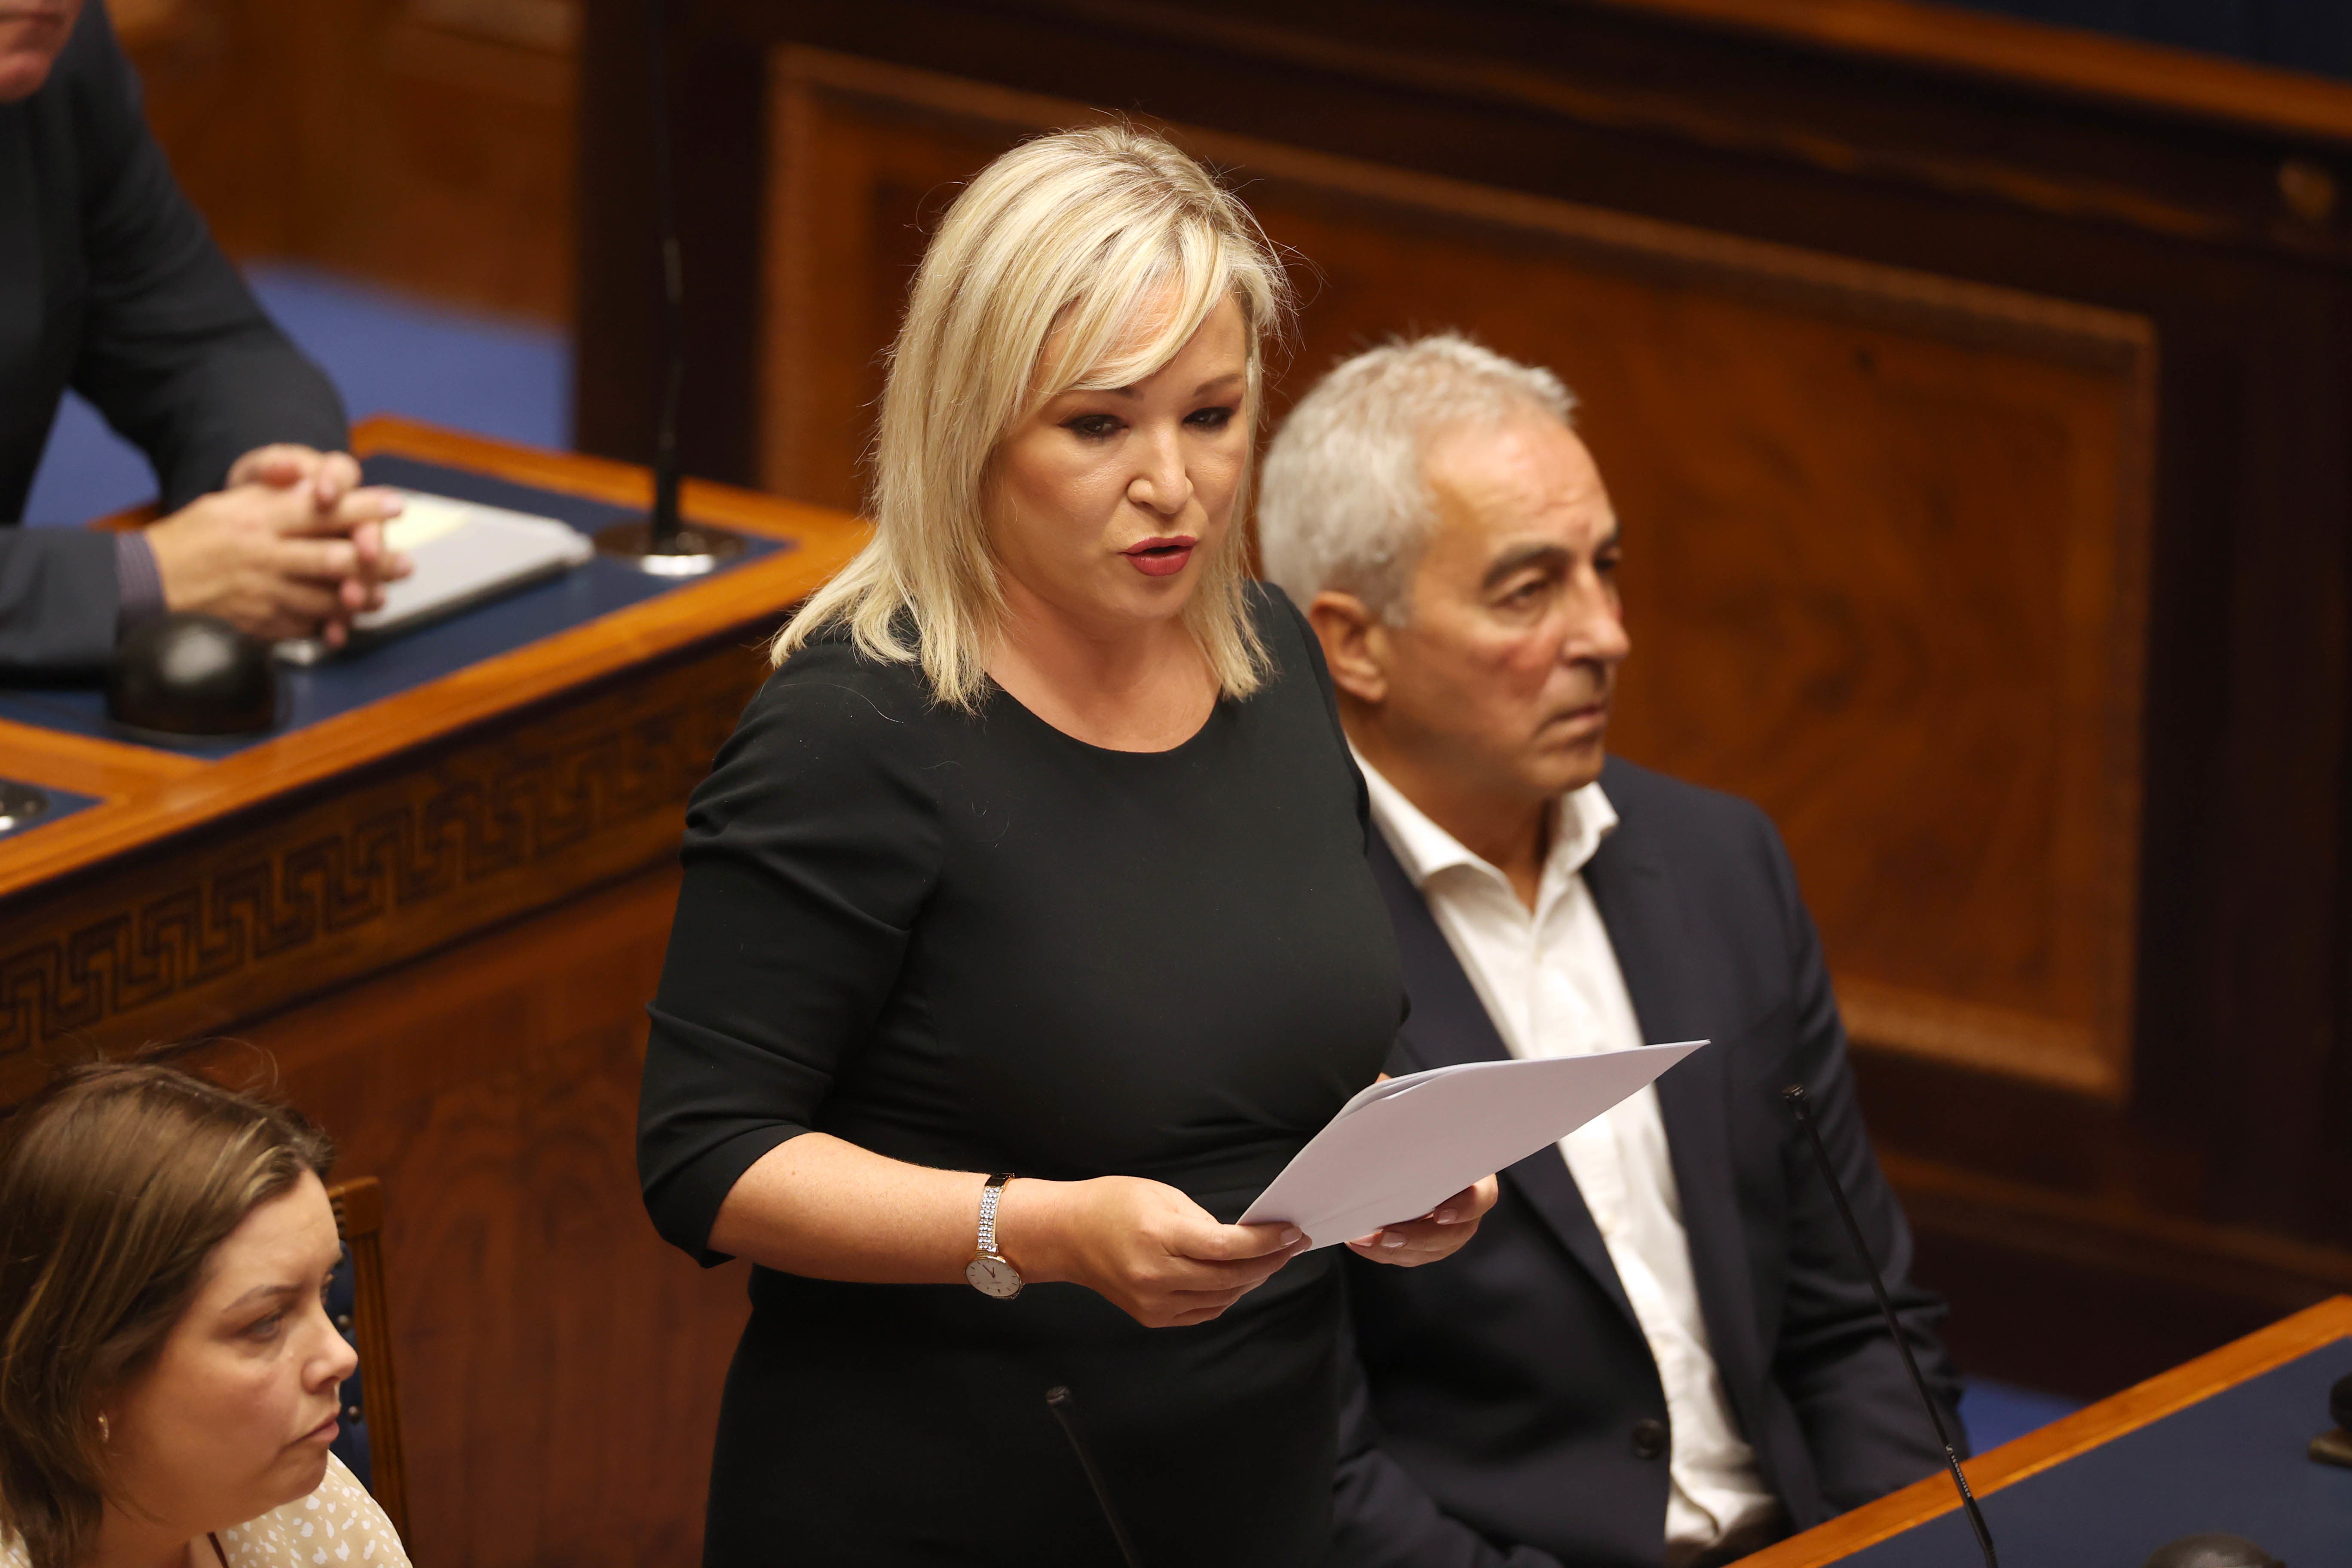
(971, 941)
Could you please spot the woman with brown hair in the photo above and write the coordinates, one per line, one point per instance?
(169, 1378)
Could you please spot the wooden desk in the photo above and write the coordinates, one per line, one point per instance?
(442, 914)
(2069, 1438)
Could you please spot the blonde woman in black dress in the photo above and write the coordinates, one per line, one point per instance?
(1041, 855)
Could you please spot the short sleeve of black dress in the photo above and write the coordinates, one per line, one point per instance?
(971, 941)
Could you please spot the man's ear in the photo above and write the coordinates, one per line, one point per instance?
(1355, 644)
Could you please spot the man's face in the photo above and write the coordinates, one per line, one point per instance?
(1503, 673)
(32, 35)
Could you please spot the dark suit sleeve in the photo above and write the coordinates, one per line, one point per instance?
(58, 599)
(175, 352)
(1381, 1517)
(1861, 1417)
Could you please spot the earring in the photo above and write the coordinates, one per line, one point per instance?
(105, 1432)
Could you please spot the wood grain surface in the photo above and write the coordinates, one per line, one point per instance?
(422, 144)
(560, 1366)
(2063, 1439)
(1885, 531)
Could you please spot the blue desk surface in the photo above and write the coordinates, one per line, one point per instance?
(337, 685)
(63, 803)
(2234, 1462)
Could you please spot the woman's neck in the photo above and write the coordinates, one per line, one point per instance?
(1131, 687)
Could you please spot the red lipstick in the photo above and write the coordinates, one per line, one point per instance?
(1162, 557)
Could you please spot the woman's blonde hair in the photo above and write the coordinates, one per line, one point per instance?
(1076, 231)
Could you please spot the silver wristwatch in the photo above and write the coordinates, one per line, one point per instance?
(991, 1272)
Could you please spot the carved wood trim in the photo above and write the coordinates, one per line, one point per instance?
(359, 1218)
(2102, 664)
(304, 895)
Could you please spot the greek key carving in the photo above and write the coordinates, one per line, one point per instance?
(262, 891)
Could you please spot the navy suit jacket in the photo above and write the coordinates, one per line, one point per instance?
(111, 283)
(1502, 1406)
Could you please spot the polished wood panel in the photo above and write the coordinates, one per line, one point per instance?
(560, 1365)
(1913, 138)
(219, 923)
(2068, 1437)
(425, 144)
(1886, 524)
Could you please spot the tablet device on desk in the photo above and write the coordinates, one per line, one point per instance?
(464, 553)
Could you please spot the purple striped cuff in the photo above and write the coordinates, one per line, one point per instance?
(139, 587)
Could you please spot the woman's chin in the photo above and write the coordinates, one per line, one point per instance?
(299, 1472)
(1156, 597)
(305, 1468)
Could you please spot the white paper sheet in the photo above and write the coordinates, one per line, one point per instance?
(1399, 1149)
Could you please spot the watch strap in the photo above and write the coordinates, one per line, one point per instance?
(988, 1197)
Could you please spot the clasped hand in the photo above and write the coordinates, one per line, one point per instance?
(293, 546)
(1167, 1262)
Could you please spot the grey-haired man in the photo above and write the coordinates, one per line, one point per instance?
(1658, 1351)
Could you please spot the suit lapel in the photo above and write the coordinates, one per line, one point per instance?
(1448, 1024)
(1635, 896)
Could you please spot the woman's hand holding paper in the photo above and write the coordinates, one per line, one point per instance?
(1144, 1246)
(1441, 1232)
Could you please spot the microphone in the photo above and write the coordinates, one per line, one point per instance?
(664, 543)
(2335, 1447)
(1795, 1095)
(1065, 1411)
(2188, 1552)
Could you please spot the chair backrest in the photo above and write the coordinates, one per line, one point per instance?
(359, 1218)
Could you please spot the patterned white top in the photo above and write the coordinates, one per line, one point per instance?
(337, 1526)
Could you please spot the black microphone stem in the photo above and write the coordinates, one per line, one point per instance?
(1065, 1411)
(662, 525)
(1795, 1095)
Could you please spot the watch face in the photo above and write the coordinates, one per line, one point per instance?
(994, 1277)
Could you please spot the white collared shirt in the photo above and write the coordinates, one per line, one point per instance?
(1551, 983)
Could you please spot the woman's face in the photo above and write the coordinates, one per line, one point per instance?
(233, 1417)
(1105, 504)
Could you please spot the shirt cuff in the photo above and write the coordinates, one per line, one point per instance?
(138, 585)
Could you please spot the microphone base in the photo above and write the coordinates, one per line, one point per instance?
(691, 552)
(2332, 1448)
(21, 805)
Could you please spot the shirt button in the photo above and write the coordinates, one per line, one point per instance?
(1649, 1439)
